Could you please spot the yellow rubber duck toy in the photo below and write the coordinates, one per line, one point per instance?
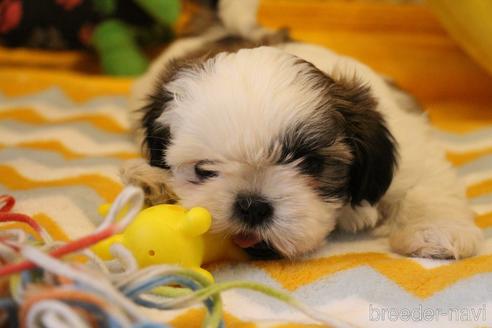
(170, 234)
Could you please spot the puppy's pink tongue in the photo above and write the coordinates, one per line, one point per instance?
(246, 240)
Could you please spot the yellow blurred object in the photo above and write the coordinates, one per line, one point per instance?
(170, 234)
(470, 23)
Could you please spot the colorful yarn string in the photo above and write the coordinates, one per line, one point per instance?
(48, 288)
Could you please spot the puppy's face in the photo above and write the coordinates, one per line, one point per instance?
(270, 145)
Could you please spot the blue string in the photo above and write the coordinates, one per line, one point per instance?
(7, 303)
(26, 277)
(10, 307)
(151, 325)
(134, 291)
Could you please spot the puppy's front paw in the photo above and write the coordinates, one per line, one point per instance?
(359, 218)
(450, 239)
(151, 179)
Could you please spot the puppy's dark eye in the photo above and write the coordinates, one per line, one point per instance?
(312, 164)
(203, 174)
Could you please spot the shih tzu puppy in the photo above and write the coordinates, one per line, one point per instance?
(284, 142)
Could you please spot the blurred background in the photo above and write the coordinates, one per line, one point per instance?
(439, 50)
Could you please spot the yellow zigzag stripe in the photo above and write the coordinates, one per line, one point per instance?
(459, 159)
(194, 318)
(300, 325)
(405, 272)
(45, 221)
(41, 58)
(105, 187)
(18, 82)
(31, 116)
(479, 189)
(484, 221)
(58, 147)
(456, 117)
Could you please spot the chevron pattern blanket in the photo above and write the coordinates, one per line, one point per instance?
(63, 137)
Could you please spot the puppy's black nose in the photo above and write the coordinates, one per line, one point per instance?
(252, 210)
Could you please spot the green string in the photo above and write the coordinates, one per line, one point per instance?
(187, 297)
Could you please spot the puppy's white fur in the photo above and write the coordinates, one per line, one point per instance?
(424, 211)
(239, 142)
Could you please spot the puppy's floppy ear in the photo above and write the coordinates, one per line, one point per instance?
(157, 136)
(373, 147)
